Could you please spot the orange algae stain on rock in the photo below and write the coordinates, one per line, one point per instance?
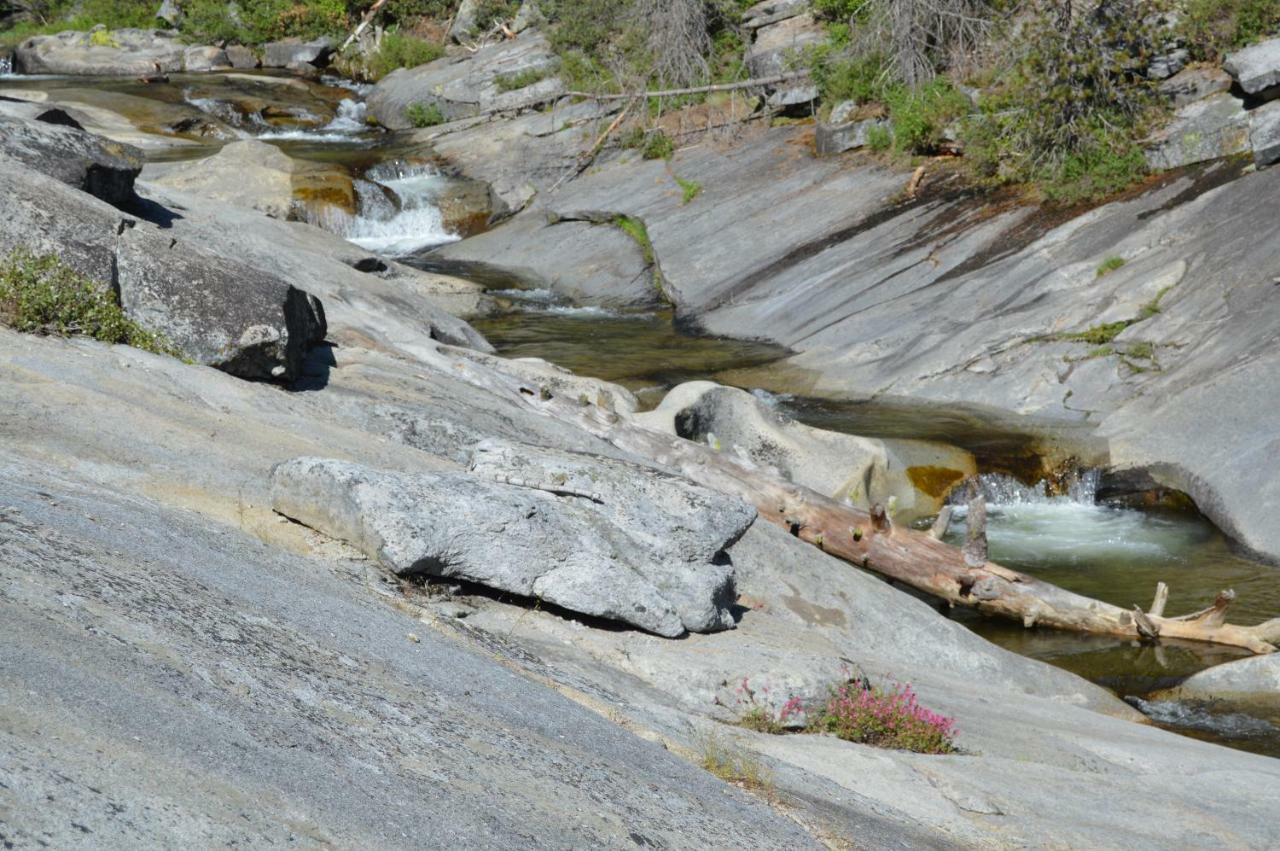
(934, 481)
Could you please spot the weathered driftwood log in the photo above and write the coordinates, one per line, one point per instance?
(868, 539)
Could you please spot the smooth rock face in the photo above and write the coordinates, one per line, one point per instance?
(1204, 130)
(128, 52)
(82, 160)
(776, 42)
(200, 689)
(1264, 133)
(463, 88)
(640, 547)
(1256, 68)
(464, 21)
(248, 174)
(217, 311)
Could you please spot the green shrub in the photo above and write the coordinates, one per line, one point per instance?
(523, 79)
(264, 20)
(1212, 28)
(401, 51)
(689, 189)
(658, 146)
(53, 16)
(919, 116)
(42, 295)
(1109, 265)
(880, 137)
(1072, 114)
(424, 114)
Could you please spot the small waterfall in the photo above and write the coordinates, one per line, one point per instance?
(6, 65)
(1078, 487)
(396, 211)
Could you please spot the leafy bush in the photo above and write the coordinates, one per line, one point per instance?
(886, 719)
(264, 20)
(397, 50)
(1212, 28)
(424, 114)
(1072, 113)
(42, 295)
(658, 146)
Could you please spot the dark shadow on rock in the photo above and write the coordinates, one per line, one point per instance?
(157, 214)
(315, 368)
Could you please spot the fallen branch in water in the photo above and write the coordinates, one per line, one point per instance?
(869, 539)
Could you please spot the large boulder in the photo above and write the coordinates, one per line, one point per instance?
(200, 59)
(101, 52)
(295, 53)
(1207, 129)
(217, 310)
(775, 48)
(914, 476)
(592, 535)
(1264, 133)
(1256, 68)
(462, 88)
(103, 168)
(837, 138)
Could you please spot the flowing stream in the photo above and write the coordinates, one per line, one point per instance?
(1062, 533)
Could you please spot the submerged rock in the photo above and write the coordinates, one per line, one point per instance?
(1250, 682)
(596, 536)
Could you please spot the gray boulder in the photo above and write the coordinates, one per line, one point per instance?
(99, 52)
(218, 311)
(837, 138)
(913, 476)
(1256, 68)
(293, 52)
(775, 44)
(197, 60)
(1264, 133)
(90, 163)
(1251, 682)
(1193, 84)
(1204, 130)
(595, 536)
(1166, 65)
(462, 88)
(241, 57)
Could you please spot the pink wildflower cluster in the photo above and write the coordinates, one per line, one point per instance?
(891, 720)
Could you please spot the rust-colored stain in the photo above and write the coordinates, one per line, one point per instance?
(935, 481)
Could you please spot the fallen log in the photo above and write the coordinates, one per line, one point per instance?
(868, 539)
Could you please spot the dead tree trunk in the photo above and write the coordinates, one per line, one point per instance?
(868, 539)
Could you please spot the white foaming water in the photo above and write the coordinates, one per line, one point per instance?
(1026, 525)
(382, 226)
(348, 122)
(6, 66)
